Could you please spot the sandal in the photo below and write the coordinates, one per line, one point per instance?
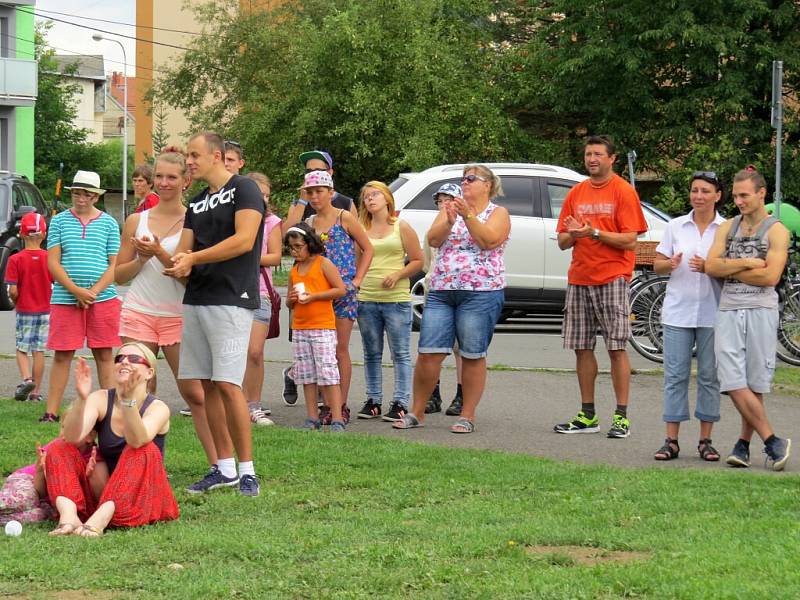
(668, 451)
(65, 529)
(707, 451)
(88, 531)
(408, 421)
(462, 426)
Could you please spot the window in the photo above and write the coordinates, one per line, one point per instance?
(424, 200)
(517, 195)
(32, 197)
(556, 191)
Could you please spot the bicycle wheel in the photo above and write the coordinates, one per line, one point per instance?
(788, 349)
(646, 330)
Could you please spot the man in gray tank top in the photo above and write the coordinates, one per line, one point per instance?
(749, 253)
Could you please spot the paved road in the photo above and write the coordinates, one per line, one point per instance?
(519, 408)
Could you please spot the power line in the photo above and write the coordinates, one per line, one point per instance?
(122, 35)
(53, 12)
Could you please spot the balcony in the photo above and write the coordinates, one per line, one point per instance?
(18, 78)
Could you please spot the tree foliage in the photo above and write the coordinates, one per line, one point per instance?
(686, 84)
(385, 86)
(394, 85)
(57, 139)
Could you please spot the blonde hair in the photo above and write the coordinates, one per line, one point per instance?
(173, 155)
(496, 188)
(364, 215)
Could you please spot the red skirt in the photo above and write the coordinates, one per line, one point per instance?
(138, 487)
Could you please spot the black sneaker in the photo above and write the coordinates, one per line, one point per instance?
(778, 452)
(580, 424)
(49, 418)
(289, 389)
(185, 411)
(396, 412)
(740, 455)
(454, 410)
(370, 410)
(434, 404)
(248, 486)
(212, 480)
(23, 389)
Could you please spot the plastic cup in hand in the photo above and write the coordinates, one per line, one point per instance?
(13, 528)
(300, 288)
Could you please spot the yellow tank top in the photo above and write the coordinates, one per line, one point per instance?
(389, 258)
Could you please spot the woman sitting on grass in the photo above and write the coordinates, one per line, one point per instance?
(131, 426)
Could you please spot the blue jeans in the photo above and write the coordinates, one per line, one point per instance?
(678, 344)
(394, 318)
(463, 315)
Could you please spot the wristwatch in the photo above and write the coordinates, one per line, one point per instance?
(301, 202)
(596, 234)
(129, 404)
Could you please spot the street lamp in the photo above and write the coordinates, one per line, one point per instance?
(98, 37)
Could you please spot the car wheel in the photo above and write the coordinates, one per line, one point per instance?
(417, 300)
(6, 303)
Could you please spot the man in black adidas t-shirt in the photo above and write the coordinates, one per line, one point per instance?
(219, 252)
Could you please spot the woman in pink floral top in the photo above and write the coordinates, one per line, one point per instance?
(466, 293)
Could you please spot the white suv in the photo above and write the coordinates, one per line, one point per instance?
(536, 269)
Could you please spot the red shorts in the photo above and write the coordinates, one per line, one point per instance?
(97, 325)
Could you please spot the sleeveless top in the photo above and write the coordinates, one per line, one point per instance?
(389, 257)
(271, 221)
(152, 292)
(735, 294)
(109, 444)
(314, 315)
(462, 265)
(339, 247)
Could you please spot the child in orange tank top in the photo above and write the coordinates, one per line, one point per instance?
(314, 283)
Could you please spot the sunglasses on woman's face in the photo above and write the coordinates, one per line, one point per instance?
(472, 178)
(133, 359)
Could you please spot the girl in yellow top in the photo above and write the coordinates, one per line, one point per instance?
(384, 301)
(314, 283)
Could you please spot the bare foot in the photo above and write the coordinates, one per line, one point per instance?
(65, 529)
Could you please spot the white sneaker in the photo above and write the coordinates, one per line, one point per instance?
(257, 417)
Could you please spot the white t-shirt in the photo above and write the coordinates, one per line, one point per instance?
(692, 298)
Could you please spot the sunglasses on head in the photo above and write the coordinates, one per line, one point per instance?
(233, 143)
(473, 178)
(705, 175)
(133, 359)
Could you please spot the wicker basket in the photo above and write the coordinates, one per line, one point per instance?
(645, 253)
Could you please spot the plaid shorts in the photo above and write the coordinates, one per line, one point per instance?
(591, 306)
(315, 356)
(32, 332)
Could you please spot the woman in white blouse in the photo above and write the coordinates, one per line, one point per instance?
(690, 307)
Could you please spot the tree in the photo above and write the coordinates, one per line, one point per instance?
(160, 135)
(686, 84)
(56, 139)
(385, 86)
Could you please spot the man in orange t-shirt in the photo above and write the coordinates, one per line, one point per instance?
(600, 220)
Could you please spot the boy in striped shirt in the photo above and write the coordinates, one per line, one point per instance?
(82, 245)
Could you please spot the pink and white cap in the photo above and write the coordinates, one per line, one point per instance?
(317, 179)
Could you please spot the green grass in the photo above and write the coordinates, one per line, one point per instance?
(787, 380)
(357, 516)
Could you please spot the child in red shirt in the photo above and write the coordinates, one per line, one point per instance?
(30, 286)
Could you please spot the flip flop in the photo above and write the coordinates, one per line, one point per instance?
(64, 529)
(88, 531)
(408, 421)
(462, 426)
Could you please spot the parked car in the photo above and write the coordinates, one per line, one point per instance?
(536, 269)
(18, 196)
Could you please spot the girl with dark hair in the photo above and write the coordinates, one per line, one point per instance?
(314, 283)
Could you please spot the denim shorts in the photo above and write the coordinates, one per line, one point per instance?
(263, 314)
(463, 315)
